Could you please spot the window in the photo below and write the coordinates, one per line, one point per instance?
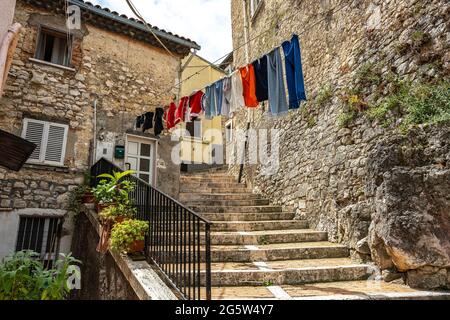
(194, 128)
(229, 131)
(41, 235)
(254, 7)
(54, 47)
(50, 138)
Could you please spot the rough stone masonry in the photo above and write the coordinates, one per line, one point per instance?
(327, 170)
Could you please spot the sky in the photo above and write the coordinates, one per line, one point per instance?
(207, 22)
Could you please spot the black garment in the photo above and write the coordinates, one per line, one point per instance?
(159, 125)
(139, 121)
(148, 122)
(261, 76)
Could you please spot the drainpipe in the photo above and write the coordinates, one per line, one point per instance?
(247, 60)
(7, 48)
(94, 153)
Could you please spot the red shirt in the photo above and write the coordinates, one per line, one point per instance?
(170, 116)
(195, 102)
(181, 110)
(249, 86)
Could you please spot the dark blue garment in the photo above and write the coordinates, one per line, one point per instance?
(218, 93)
(209, 102)
(262, 91)
(294, 73)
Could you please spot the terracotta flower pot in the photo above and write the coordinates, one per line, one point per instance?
(137, 246)
(88, 198)
(120, 219)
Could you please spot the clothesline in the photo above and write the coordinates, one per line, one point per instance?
(257, 82)
(335, 9)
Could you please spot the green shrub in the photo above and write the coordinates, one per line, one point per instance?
(124, 234)
(119, 210)
(418, 103)
(114, 188)
(23, 277)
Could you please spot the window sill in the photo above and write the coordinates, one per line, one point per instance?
(46, 167)
(45, 63)
(193, 139)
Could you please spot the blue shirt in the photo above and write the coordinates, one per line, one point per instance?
(294, 72)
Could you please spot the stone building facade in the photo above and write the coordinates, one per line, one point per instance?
(116, 72)
(324, 165)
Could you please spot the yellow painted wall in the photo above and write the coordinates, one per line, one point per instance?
(192, 149)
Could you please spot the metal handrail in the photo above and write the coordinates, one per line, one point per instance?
(173, 242)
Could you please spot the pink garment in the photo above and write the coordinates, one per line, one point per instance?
(7, 48)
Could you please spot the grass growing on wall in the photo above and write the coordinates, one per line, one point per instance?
(418, 103)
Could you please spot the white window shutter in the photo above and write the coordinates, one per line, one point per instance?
(33, 131)
(56, 144)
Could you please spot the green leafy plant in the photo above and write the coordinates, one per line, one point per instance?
(120, 210)
(23, 277)
(76, 198)
(114, 188)
(124, 234)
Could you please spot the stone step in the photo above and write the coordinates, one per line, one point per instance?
(235, 209)
(185, 197)
(204, 190)
(290, 276)
(344, 290)
(189, 179)
(272, 252)
(254, 237)
(228, 203)
(248, 216)
(259, 225)
(267, 237)
(215, 185)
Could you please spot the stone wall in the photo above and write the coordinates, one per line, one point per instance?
(127, 77)
(101, 278)
(323, 164)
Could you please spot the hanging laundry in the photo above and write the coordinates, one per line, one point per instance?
(139, 121)
(209, 102)
(237, 94)
(159, 125)
(218, 88)
(248, 85)
(170, 116)
(195, 102)
(181, 110)
(148, 122)
(294, 72)
(277, 91)
(261, 81)
(226, 99)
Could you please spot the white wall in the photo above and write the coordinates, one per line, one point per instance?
(6, 16)
(9, 226)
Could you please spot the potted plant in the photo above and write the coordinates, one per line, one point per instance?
(113, 189)
(88, 196)
(118, 213)
(129, 235)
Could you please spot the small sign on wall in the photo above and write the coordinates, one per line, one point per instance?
(161, 164)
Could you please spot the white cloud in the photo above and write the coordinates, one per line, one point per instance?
(207, 22)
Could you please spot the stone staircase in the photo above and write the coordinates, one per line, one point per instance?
(260, 252)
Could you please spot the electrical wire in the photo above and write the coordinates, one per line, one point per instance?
(136, 12)
(334, 9)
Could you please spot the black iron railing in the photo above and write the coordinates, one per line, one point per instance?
(179, 240)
